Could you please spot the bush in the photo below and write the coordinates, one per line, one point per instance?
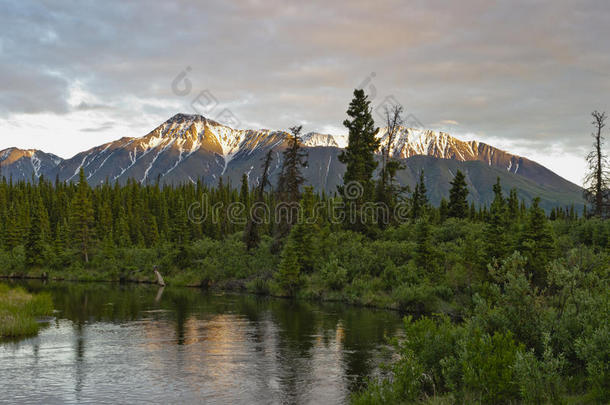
(421, 298)
(540, 381)
(404, 386)
(433, 340)
(594, 350)
(486, 364)
(334, 275)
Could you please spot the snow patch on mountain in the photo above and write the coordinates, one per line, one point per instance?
(36, 163)
(314, 139)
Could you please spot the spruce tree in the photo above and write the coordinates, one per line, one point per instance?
(443, 210)
(13, 231)
(537, 243)
(82, 217)
(359, 158)
(458, 206)
(105, 219)
(513, 205)
(289, 185)
(244, 193)
(496, 228)
(121, 231)
(419, 198)
(61, 242)
(305, 231)
(291, 178)
(35, 243)
(151, 231)
(473, 212)
(289, 270)
(424, 253)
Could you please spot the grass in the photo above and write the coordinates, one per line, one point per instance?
(19, 311)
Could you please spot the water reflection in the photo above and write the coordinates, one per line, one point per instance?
(127, 343)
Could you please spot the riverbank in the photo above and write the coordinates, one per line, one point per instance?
(253, 285)
(20, 311)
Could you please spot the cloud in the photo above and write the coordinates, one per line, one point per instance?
(103, 127)
(446, 123)
(83, 106)
(508, 70)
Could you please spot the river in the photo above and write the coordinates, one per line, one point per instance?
(129, 344)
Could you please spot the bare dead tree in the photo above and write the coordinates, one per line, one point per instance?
(597, 178)
(394, 120)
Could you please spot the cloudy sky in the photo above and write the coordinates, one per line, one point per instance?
(520, 75)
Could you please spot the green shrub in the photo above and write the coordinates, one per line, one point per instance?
(421, 298)
(432, 340)
(404, 386)
(333, 274)
(486, 364)
(594, 350)
(540, 381)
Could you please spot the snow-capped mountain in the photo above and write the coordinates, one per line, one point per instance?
(192, 147)
(314, 139)
(185, 147)
(409, 142)
(414, 141)
(22, 164)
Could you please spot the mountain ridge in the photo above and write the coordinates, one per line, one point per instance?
(193, 147)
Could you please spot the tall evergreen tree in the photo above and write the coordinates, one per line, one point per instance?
(13, 230)
(473, 212)
(458, 206)
(496, 228)
(424, 254)
(291, 178)
(359, 158)
(419, 198)
(244, 192)
(513, 205)
(151, 230)
(82, 217)
(443, 210)
(121, 232)
(289, 185)
(304, 232)
(289, 270)
(537, 243)
(38, 232)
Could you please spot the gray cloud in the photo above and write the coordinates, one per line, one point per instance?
(103, 127)
(517, 70)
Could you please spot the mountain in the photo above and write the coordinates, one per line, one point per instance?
(20, 164)
(192, 147)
